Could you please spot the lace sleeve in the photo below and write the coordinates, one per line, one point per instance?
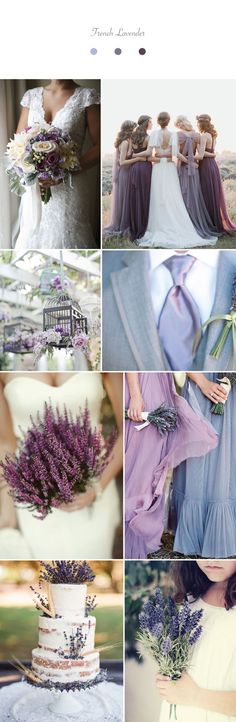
(25, 101)
(91, 97)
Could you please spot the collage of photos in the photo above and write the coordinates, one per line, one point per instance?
(117, 401)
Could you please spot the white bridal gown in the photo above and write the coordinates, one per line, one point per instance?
(65, 218)
(87, 533)
(213, 664)
(169, 225)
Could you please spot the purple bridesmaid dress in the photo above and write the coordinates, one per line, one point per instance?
(137, 199)
(149, 456)
(191, 187)
(120, 177)
(213, 194)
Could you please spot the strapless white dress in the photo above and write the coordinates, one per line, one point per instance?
(87, 533)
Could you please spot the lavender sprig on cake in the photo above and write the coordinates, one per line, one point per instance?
(66, 572)
(59, 457)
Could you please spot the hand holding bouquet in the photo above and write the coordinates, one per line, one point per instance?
(165, 418)
(168, 633)
(59, 457)
(45, 154)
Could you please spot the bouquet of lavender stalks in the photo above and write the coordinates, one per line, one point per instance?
(168, 633)
(165, 418)
(59, 457)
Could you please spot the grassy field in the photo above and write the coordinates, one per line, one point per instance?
(19, 631)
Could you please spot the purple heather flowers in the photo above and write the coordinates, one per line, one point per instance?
(58, 458)
(66, 572)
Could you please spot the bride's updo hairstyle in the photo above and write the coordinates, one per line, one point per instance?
(163, 119)
(140, 132)
(125, 132)
(205, 125)
(183, 123)
(189, 579)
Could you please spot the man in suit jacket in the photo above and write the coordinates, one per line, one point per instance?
(135, 287)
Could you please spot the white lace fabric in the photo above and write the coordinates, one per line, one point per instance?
(65, 219)
(20, 702)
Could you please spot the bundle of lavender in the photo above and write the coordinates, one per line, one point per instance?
(58, 458)
(168, 633)
(165, 418)
(226, 380)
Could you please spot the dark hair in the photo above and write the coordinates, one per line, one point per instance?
(190, 579)
(163, 119)
(125, 132)
(140, 132)
(205, 124)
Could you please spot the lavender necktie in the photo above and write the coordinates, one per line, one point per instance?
(180, 317)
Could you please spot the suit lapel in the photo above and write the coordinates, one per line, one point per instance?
(222, 303)
(131, 287)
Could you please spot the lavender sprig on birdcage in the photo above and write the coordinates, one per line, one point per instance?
(75, 643)
(165, 418)
(168, 632)
(66, 572)
(90, 604)
(59, 457)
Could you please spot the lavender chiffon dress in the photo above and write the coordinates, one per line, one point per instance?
(136, 210)
(213, 194)
(119, 219)
(204, 489)
(149, 456)
(191, 188)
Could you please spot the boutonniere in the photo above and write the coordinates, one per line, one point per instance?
(229, 326)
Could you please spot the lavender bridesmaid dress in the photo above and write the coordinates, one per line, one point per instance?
(120, 176)
(204, 489)
(191, 188)
(213, 194)
(137, 199)
(148, 457)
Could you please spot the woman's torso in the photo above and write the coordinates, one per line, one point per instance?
(26, 395)
(70, 118)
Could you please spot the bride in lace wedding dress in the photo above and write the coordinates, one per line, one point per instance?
(85, 528)
(64, 222)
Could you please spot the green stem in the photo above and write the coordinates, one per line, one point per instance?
(219, 345)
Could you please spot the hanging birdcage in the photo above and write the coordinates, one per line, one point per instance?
(64, 315)
(18, 336)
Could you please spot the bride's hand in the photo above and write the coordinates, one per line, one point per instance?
(49, 183)
(212, 391)
(80, 501)
(136, 406)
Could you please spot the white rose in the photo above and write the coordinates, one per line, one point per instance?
(44, 146)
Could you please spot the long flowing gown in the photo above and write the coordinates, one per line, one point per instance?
(137, 198)
(65, 220)
(149, 456)
(213, 194)
(213, 662)
(204, 490)
(86, 533)
(169, 224)
(119, 212)
(191, 188)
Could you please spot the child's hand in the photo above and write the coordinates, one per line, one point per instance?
(184, 691)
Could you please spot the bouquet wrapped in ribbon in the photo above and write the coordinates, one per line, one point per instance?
(226, 381)
(229, 326)
(46, 155)
(168, 632)
(165, 418)
(59, 457)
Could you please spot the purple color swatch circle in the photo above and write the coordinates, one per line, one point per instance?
(93, 51)
(142, 51)
(118, 51)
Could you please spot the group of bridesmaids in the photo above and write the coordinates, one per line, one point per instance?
(198, 172)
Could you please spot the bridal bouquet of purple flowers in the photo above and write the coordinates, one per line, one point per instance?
(59, 457)
(44, 154)
(168, 632)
